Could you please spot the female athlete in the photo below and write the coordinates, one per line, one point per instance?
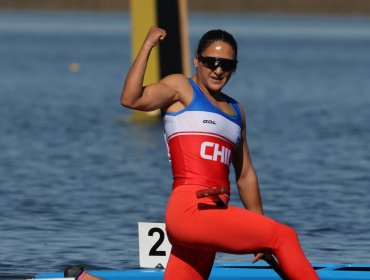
(205, 132)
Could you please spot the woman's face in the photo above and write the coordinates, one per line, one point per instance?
(214, 78)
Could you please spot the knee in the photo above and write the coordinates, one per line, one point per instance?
(289, 232)
(284, 234)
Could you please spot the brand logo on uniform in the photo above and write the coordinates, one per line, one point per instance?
(209, 121)
(215, 152)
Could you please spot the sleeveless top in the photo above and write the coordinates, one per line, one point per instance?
(201, 139)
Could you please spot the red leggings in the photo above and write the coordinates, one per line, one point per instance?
(198, 228)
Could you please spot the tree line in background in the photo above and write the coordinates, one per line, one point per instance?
(345, 7)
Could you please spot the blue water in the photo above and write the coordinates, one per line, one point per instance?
(76, 175)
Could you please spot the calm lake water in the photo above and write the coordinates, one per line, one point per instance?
(76, 175)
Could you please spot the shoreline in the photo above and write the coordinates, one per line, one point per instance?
(316, 7)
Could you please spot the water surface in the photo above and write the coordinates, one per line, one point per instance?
(77, 175)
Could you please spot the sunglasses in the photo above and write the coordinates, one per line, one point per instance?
(213, 63)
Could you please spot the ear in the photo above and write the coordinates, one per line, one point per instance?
(196, 61)
(234, 70)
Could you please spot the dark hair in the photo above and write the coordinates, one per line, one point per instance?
(216, 35)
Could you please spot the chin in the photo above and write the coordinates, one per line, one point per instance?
(217, 84)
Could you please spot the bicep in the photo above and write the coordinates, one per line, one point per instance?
(156, 96)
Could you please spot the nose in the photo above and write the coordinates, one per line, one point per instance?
(218, 70)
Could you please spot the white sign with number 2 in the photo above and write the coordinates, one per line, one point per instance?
(154, 247)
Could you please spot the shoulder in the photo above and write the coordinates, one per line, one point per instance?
(240, 111)
(180, 84)
(235, 103)
(175, 80)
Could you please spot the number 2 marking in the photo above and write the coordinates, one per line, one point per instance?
(154, 251)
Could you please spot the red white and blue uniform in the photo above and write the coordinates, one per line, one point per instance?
(201, 139)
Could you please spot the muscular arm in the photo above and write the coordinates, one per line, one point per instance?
(134, 94)
(246, 177)
(247, 182)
